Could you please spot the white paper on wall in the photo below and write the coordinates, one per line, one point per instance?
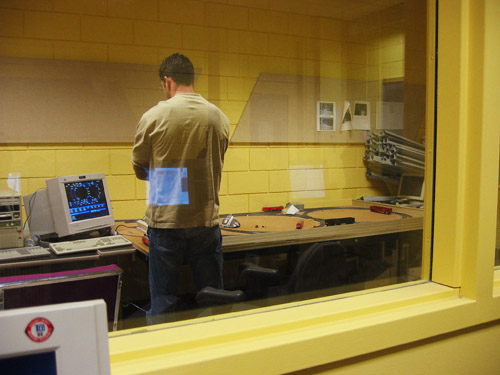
(361, 118)
(346, 117)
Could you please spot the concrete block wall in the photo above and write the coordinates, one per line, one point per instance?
(230, 43)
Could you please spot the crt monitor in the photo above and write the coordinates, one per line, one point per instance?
(411, 186)
(76, 204)
(59, 339)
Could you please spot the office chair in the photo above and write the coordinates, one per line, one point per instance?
(67, 286)
(322, 265)
(255, 278)
(209, 296)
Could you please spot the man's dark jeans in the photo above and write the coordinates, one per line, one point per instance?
(169, 249)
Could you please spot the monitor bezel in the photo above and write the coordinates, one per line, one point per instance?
(59, 206)
(420, 197)
(79, 337)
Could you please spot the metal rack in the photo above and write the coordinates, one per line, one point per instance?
(389, 155)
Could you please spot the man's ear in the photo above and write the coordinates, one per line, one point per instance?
(168, 82)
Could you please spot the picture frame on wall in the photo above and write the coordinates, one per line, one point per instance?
(326, 112)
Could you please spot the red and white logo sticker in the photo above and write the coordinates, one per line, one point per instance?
(39, 329)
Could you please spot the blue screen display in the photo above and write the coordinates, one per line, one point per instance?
(168, 186)
(41, 363)
(86, 199)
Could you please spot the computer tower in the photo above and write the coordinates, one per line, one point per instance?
(11, 225)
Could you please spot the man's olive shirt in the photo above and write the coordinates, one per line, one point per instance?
(180, 144)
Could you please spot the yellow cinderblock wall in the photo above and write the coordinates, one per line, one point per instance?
(230, 43)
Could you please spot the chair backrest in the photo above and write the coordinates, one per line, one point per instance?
(322, 265)
(67, 286)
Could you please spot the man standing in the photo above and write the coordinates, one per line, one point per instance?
(179, 148)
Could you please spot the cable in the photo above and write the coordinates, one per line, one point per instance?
(31, 204)
(128, 235)
(136, 306)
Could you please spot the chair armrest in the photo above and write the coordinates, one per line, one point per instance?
(250, 271)
(214, 295)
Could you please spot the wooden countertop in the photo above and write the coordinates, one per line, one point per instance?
(240, 241)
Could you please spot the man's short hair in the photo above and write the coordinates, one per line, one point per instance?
(179, 68)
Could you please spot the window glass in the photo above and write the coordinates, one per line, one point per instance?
(322, 185)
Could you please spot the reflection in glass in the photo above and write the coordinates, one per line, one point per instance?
(168, 186)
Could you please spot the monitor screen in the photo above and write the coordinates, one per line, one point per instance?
(86, 199)
(30, 364)
(412, 187)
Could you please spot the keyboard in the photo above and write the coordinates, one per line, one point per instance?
(88, 244)
(23, 252)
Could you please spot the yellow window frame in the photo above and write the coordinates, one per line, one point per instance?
(463, 291)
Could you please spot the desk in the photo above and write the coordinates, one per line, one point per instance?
(52, 259)
(376, 224)
(269, 239)
(380, 250)
(273, 240)
(266, 230)
(134, 267)
(258, 231)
